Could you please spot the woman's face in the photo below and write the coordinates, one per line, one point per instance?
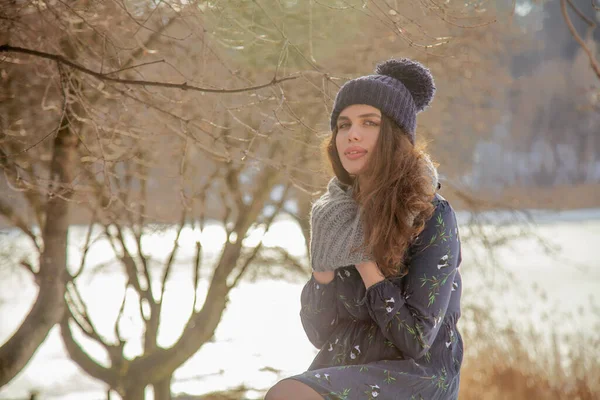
(358, 129)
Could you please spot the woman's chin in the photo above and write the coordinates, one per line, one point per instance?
(353, 169)
(356, 172)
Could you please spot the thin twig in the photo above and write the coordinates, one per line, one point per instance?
(442, 17)
(90, 331)
(300, 53)
(588, 21)
(84, 21)
(141, 223)
(86, 246)
(128, 262)
(171, 259)
(257, 248)
(143, 25)
(202, 223)
(184, 135)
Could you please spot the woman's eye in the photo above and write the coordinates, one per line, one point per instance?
(371, 123)
(342, 126)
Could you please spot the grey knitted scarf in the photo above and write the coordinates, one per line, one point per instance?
(336, 227)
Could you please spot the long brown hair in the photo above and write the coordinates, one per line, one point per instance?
(398, 199)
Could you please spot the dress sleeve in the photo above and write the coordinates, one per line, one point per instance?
(319, 312)
(410, 311)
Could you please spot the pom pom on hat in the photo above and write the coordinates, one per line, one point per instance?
(417, 79)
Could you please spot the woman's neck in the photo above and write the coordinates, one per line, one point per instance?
(362, 184)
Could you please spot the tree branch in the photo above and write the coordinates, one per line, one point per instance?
(130, 267)
(144, 259)
(82, 359)
(28, 267)
(23, 185)
(197, 264)
(10, 214)
(287, 258)
(588, 21)
(82, 315)
(593, 62)
(135, 66)
(247, 263)
(86, 246)
(231, 179)
(201, 326)
(186, 135)
(202, 222)
(442, 15)
(141, 223)
(119, 316)
(114, 351)
(104, 76)
(171, 259)
(268, 223)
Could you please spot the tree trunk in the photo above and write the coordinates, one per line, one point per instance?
(162, 389)
(49, 306)
(135, 391)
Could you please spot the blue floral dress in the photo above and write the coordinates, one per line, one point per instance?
(398, 339)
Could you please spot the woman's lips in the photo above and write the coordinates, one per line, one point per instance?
(355, 156)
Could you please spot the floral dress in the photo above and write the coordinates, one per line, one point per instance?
(398, 339)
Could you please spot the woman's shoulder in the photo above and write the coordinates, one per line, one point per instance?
(441, 206)
(442, 219)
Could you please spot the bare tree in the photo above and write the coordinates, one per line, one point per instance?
(149, 278)
(45, 168)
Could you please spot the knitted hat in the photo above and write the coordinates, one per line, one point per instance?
(400, 88)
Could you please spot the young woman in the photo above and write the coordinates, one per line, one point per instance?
(383, 301)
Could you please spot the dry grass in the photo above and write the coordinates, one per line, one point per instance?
(503, 363)
(494, 374)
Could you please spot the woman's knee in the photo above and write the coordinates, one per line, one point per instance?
(282, 390)
(289, 389)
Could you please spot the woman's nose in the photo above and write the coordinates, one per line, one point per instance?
(353, 135)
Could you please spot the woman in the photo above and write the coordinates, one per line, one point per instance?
(383, 302)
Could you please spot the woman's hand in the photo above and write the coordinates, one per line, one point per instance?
(324, 277)
(370, 273)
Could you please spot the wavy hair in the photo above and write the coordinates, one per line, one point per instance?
(398, 199)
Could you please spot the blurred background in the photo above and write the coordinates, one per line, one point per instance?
(160, 158)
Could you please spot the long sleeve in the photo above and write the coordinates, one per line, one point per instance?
(318, 313)
(410, 311)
